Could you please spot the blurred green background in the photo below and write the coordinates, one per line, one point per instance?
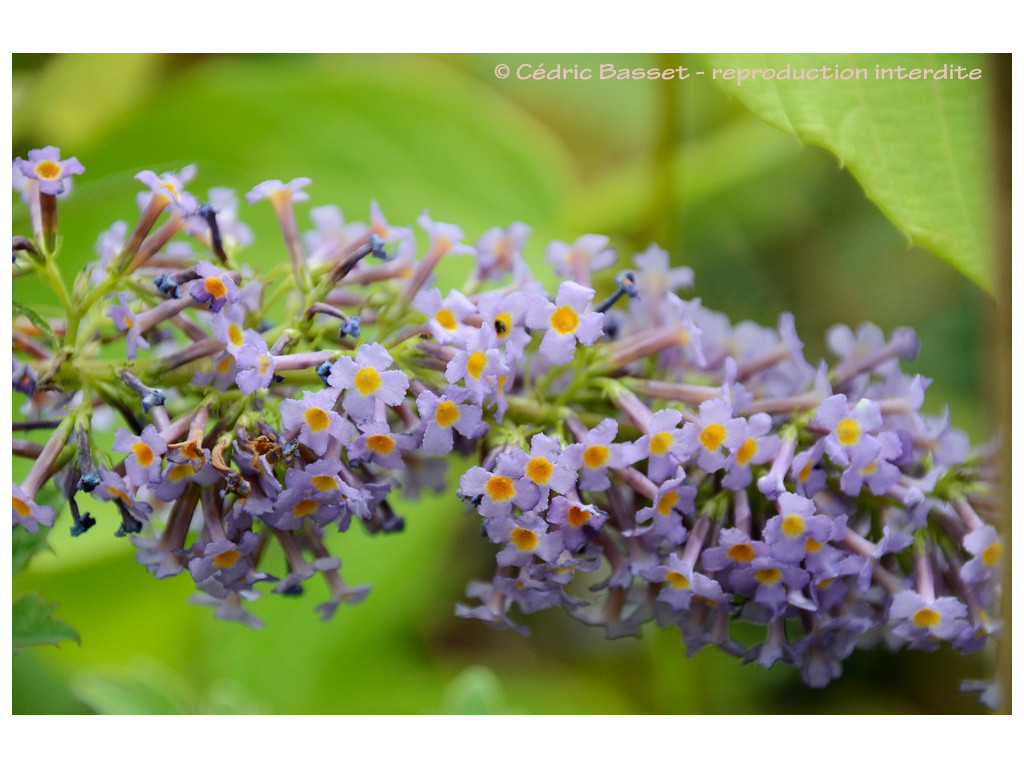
(767, 225)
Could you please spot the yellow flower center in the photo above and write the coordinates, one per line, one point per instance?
(523, 538)
(848, 431)
(539, 470)
(226, 559)
(305, 507)
(216, 288)
(446, 319)
(577, 516)
(180, 472)
(712, 436)
(812, 545)
(992, 554)
(668, 501)
(926, 617)
(48, 170)
(21, 507)
(235, 335)
(793, 525)
(475, 364)
(565, 320)
(446, 413)
(595, 456)
(746, 451)
(367, 380)
(169, 187)
(500, 488)
(805, 472)
(768, 575)
(143, 453)
(264, 364)
(129, 321)
(661, 442)
(382, 444)
(317, 419)
(503, 324)
(869, 468)
(677, 580)
(741, 553)
(224, 365)
(325, 483)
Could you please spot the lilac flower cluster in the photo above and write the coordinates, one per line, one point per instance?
(641, 457)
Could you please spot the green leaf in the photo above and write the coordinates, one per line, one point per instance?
(31, 624)
(36, 320)
(919, 148)
(25, 544)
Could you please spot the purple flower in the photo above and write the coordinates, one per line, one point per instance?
(170, 187)
(224, 560)
(576, 521)
(734, 548)
(144, 453)
(716, 429)
(774, 583)
(180, 475)
(682, 584)
(368, 381)
(442, 415)
(276, 191)
(479, 366)
(126, 320)
(505, 316)
(380, 445)
(213, 287)
(987, 550)
(873, 465)
(500, 489)
(23, 378)
(663, 444)
(27, 513)
(112, 487)
(919, 620)
(849, 428)
(46, 166)
(597, 454)
(757, 447)
(498, 251)
(565, 322)
(255, 363)
(656, 279)
(331, 234)
(524, 537)
(315, 418)
(673, 498)
(228, 327)
(545, 467)
(797, 529)
(446, 318)
(444, 238)
(588, 254)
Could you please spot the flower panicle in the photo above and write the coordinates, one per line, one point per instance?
(709, 471)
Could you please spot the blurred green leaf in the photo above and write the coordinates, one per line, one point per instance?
(144, 688)
(25, 544)
(31, 624)
(475, 691)
(75, 95)
(918, 148)
(705, 167)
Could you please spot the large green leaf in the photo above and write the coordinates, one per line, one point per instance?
(31, 624)
(918, 147)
